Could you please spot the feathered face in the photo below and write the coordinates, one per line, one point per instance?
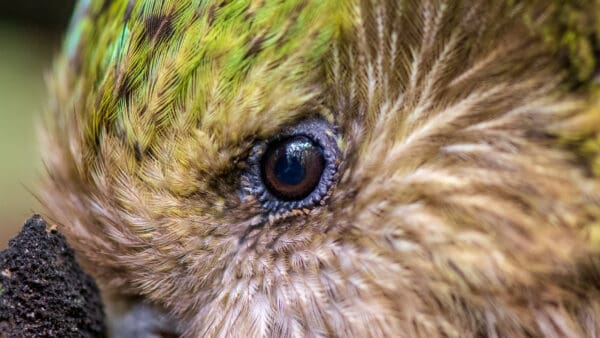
(355, 167)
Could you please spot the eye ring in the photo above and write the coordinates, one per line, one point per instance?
(316, 132)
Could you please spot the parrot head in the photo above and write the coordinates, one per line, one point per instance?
(338, 168)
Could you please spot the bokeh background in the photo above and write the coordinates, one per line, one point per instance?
(30, 35)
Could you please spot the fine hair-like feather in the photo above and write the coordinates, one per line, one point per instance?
(467, 202)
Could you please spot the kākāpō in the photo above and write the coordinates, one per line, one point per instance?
(333, 168)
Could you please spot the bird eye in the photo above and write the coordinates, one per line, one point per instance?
(292, 168)
(295, 169)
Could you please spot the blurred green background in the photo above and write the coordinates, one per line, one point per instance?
(30, 35)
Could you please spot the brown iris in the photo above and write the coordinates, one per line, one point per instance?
(292, 168)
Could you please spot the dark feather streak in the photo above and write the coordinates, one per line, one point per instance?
(128, 11)
(159, 27)
(255, 46)
(137, 151)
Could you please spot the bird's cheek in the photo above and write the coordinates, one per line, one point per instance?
(449, 241)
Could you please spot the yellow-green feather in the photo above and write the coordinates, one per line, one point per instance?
(571, 30)
(153, 64)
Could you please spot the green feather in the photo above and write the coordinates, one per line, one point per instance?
(145, 69)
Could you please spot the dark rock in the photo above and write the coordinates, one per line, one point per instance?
(43, 291)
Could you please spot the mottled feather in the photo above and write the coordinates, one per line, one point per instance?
(468, 202)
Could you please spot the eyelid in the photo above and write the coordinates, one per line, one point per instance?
(319, 131)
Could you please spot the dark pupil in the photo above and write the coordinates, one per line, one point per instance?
(292, 168)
